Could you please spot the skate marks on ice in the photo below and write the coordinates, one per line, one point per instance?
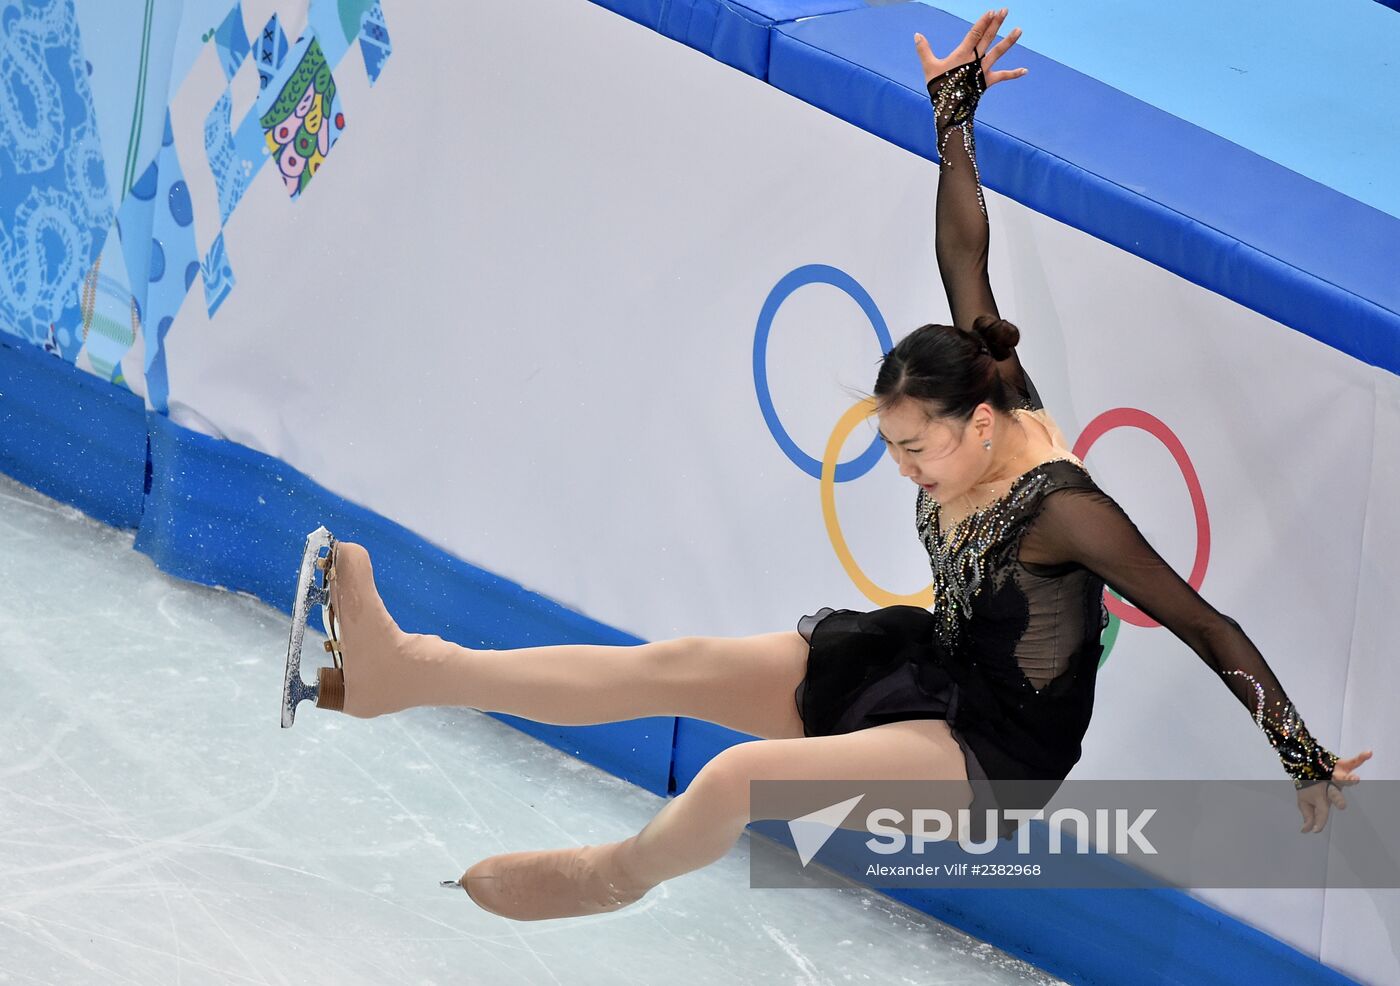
(158, 826)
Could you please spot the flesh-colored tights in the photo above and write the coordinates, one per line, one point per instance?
(744, 683)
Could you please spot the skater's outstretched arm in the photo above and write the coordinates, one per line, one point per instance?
(955, 85)
(1087, 527)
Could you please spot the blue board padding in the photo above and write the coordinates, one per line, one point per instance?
(1125, 936)
(734, 33)
(71, 435)
(1125, 172)
(697, 742)
(1248, 82)
(219, 513)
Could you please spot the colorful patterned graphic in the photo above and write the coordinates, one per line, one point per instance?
(336, 24)
(305, 119)
(374, 42)
(110, 319)
(55, 204)
(231, 39)
(138, 108)
(218, 275)
(102, 288)
(173, 263)
(271, 51)
(231, 175)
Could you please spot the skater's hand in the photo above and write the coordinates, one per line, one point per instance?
(983, 32)
(1314, 801)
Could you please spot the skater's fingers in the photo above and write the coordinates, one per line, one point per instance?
(993, 29)
(972, 42)
(1309, 814)
(1000, 48)
(994, 77)
(931, 62)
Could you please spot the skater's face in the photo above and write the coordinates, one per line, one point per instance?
(944, 456)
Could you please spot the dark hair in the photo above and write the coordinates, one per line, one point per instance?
(951, 370)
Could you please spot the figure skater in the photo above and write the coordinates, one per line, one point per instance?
(995, 684)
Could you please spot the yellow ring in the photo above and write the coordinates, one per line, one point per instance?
(880, 597)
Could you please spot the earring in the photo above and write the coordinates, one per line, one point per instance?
(987, 444)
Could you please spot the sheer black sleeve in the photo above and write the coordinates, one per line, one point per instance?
(1087, 527)
(961, 232)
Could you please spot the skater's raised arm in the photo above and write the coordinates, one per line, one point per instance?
(955, 84)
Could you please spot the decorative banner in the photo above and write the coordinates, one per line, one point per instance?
(271, 51)
(174, 262)
(374, 42)
(218, 275)
(232, 174)
(231, 39)
(304, 121)
(111, 319)
(55, 202)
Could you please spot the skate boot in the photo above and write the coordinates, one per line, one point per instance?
(379, 678)
(554, 883)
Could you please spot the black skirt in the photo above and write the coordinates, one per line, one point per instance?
(869, 668)
(866, 669)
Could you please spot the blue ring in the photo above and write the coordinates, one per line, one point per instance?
(813, 274)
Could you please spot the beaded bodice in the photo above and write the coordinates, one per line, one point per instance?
(960, 557)
(1018, 595)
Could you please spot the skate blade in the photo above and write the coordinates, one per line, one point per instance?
(309, 594)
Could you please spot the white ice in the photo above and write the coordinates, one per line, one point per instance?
(158, 826)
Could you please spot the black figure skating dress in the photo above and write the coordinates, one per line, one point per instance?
(1009, 652)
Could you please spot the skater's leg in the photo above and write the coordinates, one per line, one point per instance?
(745, 683)
(700, 825)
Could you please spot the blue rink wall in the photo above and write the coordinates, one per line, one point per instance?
(218, 513)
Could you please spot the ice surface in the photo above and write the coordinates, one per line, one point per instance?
(158, 826)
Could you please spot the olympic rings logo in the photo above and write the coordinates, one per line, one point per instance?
(828, 471)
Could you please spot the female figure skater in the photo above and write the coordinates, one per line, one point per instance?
(996, 683)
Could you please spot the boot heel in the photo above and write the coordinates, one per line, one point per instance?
(330, 691)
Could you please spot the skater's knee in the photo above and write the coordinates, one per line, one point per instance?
(725, 779)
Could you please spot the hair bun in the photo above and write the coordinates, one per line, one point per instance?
(999, 335)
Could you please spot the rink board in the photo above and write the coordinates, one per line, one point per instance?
(446, 326)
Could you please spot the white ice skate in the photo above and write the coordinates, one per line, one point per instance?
(310, 594)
